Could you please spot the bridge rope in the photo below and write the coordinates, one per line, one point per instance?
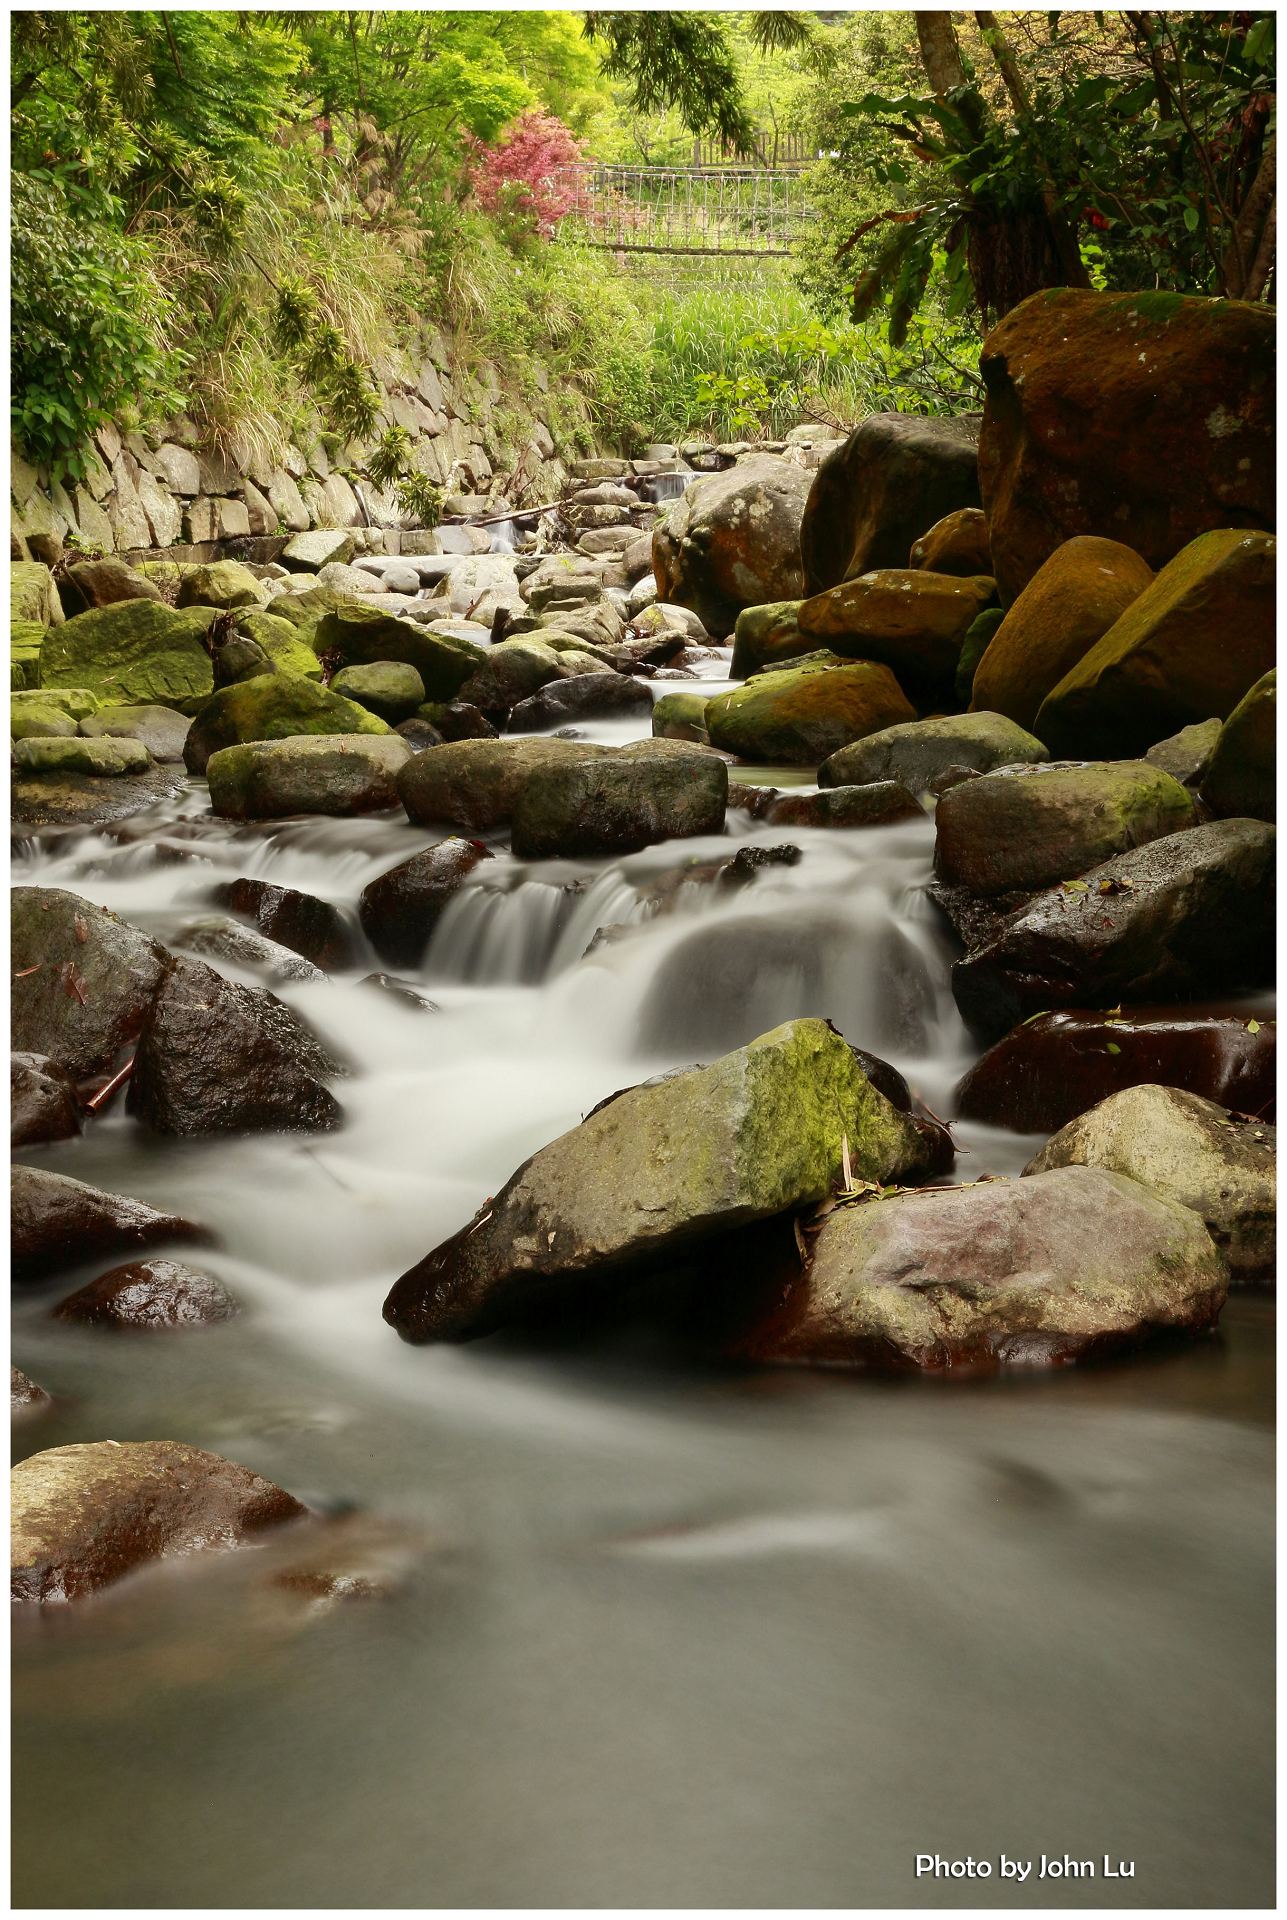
(729, 211)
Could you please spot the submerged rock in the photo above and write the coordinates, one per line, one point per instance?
(149, 1294)
(42, 1101)
(400, 910)
(627, 799)
(341, 773)
(84, 1516)
(56, 1223)
(299, 921)
(797, 716)
(82, 980)
(215, 937)
(878, 804)
(882, 489)
(1188, 1150)
(917, 752)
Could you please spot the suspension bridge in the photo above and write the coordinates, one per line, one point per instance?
(723, 211)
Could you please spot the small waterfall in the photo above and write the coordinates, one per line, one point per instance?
(657, 488)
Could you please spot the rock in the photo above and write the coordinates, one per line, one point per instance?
(767, 636)
(299, 921)
(978, 637)
(279, 640)
(1189, 647)
(150, 1294)
(400, 910)
(223, 584)
(217, 938)
(1058, 1065)
(657, 1172)
(882, 489)
(512, 672)
(1242, 776)
(25, 1397)
(132, 653)
(914, 623)
(626, 799)
(800, 715)
(82, 979)
(1187, 754)
(310, 552)
(958, 544)
(878, 804)
(1028, 827)
(25, 642)
(1142, 417)
(474, 783)
(215, 1057)
(341, 773)
(83, 1516)
(1188, 1150)
(1188, 916)
(35, 722)
(101, 759)
(585, 696)
(273, 707)
(346, 579)
(57, 1223)
(359, 635)
(78, 703)
(85, 800)
(920, 750)
(240, 659)
(42, 1101)
(681, 716)
(405, 990)
(33, 595)
(457, 720)
(387, 687)
(663, 615)
(160, 730)
(733, 540)
(1015, 1273)
(100, 583)
(1070, 603)
(418, 734)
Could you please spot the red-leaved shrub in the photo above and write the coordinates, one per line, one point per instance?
(518, 174)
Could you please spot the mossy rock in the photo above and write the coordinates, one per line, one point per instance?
(1242, 777)
(133, 653)
(512, 671)
(223, 584)
(282, 642)
(77, 702)
(32, 593)
(275, 706)
(800, 716)
(767, 635)
(978, 638)
(360, 635)
(101, 758)
(681, 716)
(26, 637)
(388, 687)
(29, 721)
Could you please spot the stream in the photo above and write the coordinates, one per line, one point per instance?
(656, 1632)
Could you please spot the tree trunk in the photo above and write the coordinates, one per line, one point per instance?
(1258, 278)
(1061, 232)
(939, 52)
(1242, 256)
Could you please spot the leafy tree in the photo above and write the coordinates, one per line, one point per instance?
(518, 177)
(688, 61)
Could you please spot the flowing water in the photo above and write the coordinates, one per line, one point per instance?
(650, 1632)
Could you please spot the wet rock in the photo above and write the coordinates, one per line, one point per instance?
(1068, 605)
(299, 921)
(978, 638)
(100, 583)
(749, 862)
(882, 489)
(457, 720)
(338, 774)
(34, 722)
(658, 1171)
(914, 623)
(83, 980)
(1027, 827)
(512, 672)
(387, 687)
(160, 729)
(475, 784)
(797, 716)
(418, 734)
(400, 910)
(25, 1397)
(584, 696)
(1144, 417)
(680, 716)
(1049, 1070)
(42, 1101)
(958, 543)
(98, 759)
(733, 541)
(272, 707)
(216, 938)
(149, 1294)
(626, 799)
(1185, 918)
(1242, 776)
(767, 636)
(1190, 1151)
(879, 804)
(1187, 754)
(919, 751)
(56, 1223)
(132, 653)
(223, 584)
(1189, 647)
(1012, 1273)
(359, 635)
(84, 1516)
(405, 990)
(215, 1057)
(85, 800)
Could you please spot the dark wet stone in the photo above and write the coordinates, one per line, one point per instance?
(400, 910)
(883, 803)
(753, 800)
(155, 1293)
(82, 800)
(299, 921)
(748, 862)
(55, 1223)
(42, 1101)
(405, 990)
(82, 980)
(25, 1397)
(458, 720)
(419, 735)
(585, 696)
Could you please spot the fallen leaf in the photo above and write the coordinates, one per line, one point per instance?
(81, 930)
(1253, 1026)
(26, 970)
(1112, 1048)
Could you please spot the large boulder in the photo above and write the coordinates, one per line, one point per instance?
(223, 584)
(215, 1057)
(1143, 417)
(958, 543)
(1011, 1273)
(1189, 647)
(339, 773)
(149, 1295)
(583, 696)
(798, 716)
(627, 799)
(1189, 1150)
(55, 1223)
(160, 729)
(272, 706)
(1069, 603)
(766, 636)
(400, 910)
(357, 635)
(657, 1171)
(82, 980)
(911, 621)
(96, 759)
(83, 1516)
(300, 921)
(1242, 775)
(387, 687)
(133, 653)
(43, 1104)
(882, 489)
(1188, 916)
(1053, 1067)
(475, 784)
(733, 541)
(98, 583)
(280, 641)
(917, 752)
(1028, 827)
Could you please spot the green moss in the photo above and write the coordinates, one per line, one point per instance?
(271, 707)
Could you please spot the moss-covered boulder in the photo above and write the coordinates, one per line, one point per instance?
(335, 773)
(1190, 646)
(32, 594)
(510, 672)
(387, 687)
(273, 707)
(1032, 827)
(281, 642)
(919, 751)
(799, 716)
(912, 621)
(357, 635)
(475, 784)
(659, 1171)
(26, 637)
(133, 653)
(1071, 601)
(765, 636)
(161, 730)
(224, 583)
(881, 803)
(79, 703)
(1242, 776)
(680, 716)
(105, 759)
(620, 801)
(31, 720)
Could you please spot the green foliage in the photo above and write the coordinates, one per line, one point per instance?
(688, 61)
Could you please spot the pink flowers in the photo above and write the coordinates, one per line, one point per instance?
(520, 173)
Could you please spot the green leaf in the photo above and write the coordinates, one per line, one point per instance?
(1113, 1047)
(1191, 218)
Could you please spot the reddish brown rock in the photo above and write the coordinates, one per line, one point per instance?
(882, 489)
(153, 1293)
(82, 980)
(400, 910)
(299, 921)
(956, 544)
(733, 541)
(56, 1223)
